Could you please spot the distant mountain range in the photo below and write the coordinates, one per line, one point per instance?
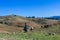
(53, 17)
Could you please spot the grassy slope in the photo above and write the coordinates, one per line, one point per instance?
(29, 36)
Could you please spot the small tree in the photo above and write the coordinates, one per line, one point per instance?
(33, 16)
(1, 22)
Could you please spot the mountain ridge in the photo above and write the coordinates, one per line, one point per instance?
(54, 17)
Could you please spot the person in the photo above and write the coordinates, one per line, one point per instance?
(25, 27)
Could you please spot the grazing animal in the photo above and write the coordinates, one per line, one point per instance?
(31, 28)
(46, 26)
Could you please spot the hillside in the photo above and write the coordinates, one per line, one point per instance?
(14, 23)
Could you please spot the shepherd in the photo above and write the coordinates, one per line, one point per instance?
(25, 27)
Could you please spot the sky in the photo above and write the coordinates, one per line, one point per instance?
(38, 8)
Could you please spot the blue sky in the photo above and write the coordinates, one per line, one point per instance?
(38, 8)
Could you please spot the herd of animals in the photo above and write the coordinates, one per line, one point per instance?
(32, 28)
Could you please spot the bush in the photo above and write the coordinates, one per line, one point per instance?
(8, 23)
(1, 22)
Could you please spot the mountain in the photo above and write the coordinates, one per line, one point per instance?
(54, 17)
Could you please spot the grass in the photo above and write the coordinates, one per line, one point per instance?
(36, 35)
(28, 36)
